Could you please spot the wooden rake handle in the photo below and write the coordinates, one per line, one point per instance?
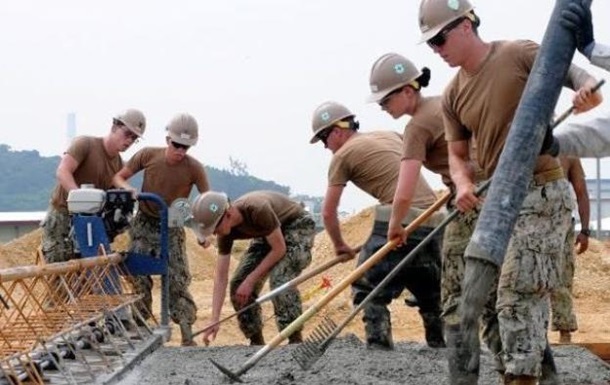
(352, 277)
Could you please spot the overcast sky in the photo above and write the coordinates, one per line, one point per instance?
(251, 72)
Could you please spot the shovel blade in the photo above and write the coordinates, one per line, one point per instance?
(226, 372)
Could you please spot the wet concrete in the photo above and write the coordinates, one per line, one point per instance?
(347, 361)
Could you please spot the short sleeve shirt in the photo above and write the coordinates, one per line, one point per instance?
(95, 166)
(170, 182)
(424, 138)
(482, 104)
(372, 162)
(262, 212)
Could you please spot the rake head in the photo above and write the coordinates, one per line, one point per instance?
(310, 350)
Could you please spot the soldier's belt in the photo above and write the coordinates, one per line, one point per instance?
(544, 177)
(383, 213)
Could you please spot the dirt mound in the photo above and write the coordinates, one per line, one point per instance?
(591, 291)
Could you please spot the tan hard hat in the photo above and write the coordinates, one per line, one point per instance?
(134, 120)
(326, 115)
(183, 129)
(390, 72)
(208, 210)
(434, 15)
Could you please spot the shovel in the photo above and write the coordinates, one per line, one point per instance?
(290, 284)
(352, 277)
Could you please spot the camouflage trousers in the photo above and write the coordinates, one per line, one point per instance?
(57, 245)
(145, 239)
(563, 317)
(287, 306)
(421, 277)
(530, 273)
(456, 238)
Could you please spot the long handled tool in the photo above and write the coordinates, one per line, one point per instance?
(353, 276)
(308, 352)
(569, 111)
(290, 284)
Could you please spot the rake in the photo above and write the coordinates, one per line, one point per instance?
(310, 350)
(290, 284)
(352, 277)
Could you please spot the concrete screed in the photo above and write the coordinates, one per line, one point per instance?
(347, 361)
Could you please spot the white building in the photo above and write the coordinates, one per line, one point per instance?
(15, 224)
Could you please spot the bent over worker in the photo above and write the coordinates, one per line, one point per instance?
(371, 161)
(281, 233)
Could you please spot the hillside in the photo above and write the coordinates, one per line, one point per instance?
(28, 178)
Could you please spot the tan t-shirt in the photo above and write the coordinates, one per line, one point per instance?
(483, 104)
(372, 162)
(170, 182)
(424, 138)
(95, 166)
(263, 212)
(572, 168)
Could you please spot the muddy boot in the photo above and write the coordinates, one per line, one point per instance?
(565, 337)
(257, 339)
(549, 375)
(187, 335)
(433, 326)
(295, 338)
(378, 327)
(510, 379)
(457, 362)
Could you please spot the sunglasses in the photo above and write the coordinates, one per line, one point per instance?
(386, 99)
(129, 134)
(324, 134)
(179, 146)
(440, 38)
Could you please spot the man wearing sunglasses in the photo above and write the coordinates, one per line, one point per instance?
(480, 103)
(371, 161)
(170, 173)
(88, 160)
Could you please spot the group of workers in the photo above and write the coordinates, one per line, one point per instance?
(458, 135)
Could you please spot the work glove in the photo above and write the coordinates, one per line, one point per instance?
(577, 17)
(550, 144)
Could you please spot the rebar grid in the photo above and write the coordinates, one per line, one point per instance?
(54, 312)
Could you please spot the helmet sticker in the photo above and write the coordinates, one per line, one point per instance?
(185, 136)
(325, 116)
(399, 68)
(453, 4)
(213, 207)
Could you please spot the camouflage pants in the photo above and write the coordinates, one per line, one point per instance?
(145, 239)
(298, 237)
(57, 244)
(563, 317)
(456, 239)
(530, 273)
(421, 277)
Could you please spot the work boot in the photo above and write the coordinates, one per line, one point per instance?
(187, 335)
(378, 327)
(433, 326)
(565, 337)
(457, 362)
(295, 338)
(257, 339)
(510, 379)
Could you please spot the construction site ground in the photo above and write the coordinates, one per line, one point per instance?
(348, 361)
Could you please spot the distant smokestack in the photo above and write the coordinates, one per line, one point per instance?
(71, 127)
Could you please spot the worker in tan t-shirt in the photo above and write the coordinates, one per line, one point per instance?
(371, 161)
(563, 318)
(170, 173)
(480, 102)
(281, 233)
(88, 160)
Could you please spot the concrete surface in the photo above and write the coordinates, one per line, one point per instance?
(346, 362)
